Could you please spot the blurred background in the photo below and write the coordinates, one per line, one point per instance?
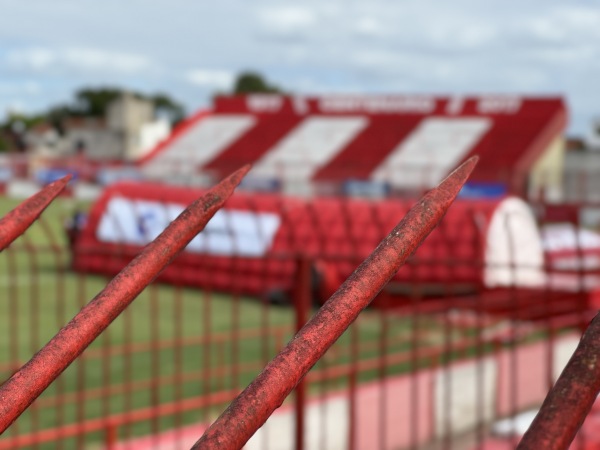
(348, 111)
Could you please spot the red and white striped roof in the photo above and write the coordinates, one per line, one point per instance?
(406, 141)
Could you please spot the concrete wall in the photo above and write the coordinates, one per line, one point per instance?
(129, 113)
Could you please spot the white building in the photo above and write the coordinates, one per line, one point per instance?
(127, 133)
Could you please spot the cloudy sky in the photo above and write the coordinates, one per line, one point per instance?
(192, 48)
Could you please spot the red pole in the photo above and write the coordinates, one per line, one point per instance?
(570, 400)
(301, 305)
(256, 403)
(35, 376)
(110, 436)
(19, 219)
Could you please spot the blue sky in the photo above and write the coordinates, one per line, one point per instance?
(191, 49)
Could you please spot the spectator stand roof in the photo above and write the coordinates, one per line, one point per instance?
(407, 142)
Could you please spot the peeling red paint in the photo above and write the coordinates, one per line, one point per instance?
(570, 399)
(33, 378)
(19, 219)
(250, 410)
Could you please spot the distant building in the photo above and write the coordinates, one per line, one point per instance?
(376, 143)
(127, 133)
(582, 169)
(582, 177)
(44, 138)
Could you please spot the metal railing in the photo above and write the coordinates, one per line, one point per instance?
(405, 363)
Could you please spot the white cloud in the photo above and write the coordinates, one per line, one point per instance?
(577, 19)
(565, 25)
(458, 35)
(312, 46)
(287, 20)
(40, 59)
(370, 27)
(20, 88)
(93, 59)
(35, 58)
(526, 79)
(547, 30)
(572, 55)
(32, 88)
(473, 36)
(219, 79)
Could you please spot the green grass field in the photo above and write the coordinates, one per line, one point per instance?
(170, 344)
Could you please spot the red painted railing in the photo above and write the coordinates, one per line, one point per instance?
(18, 220)
(33, 378)
(570, 399)
(558, 421)
(267, 392)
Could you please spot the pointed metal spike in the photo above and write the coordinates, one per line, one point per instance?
(250, 410)
(34, 377)
(571, 398)
(19, 219)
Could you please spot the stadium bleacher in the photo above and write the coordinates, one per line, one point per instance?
(406, 142)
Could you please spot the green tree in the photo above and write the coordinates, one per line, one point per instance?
(94, 102)
(3, 144)
(166, 106)
(253, 82)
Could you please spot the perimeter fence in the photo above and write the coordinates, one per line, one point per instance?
(444, 364)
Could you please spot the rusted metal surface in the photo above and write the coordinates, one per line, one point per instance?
(19, 219)
(571, 399)
(35, 376)
(250, 410)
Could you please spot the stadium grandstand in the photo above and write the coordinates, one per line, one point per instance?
(376, 144)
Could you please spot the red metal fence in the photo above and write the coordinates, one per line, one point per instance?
(427, 370)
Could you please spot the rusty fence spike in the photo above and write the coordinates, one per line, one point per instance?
(17, 393)
(19, 219)
(570, 399)
(250, 410)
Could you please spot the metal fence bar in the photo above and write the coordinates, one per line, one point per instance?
(14, 224)
(302, 309)
(35, 376)
(570, 400)
(250, 410)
